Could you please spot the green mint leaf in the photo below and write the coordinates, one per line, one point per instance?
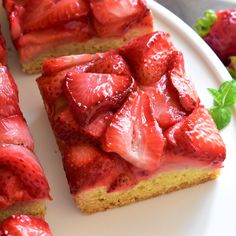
(221, 116)
(216, 95)
(228, 93)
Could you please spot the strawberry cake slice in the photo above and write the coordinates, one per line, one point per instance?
(24, 225)
(23, 185)
(42, 29)
(129, 123)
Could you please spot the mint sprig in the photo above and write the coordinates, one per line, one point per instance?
(204, 24)
(224, 98)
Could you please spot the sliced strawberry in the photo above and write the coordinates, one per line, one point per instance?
(87, 166)
(8, 94)
(47, 13)
(135, 135)
(14, 130)
(3, 58)
(187, 94)
(23, 164)
(12, 189)
(111, 17)
(198, 135)
(110, 63)
(148, 56)
(23, 225)
(165, 102)
(90, 94)
(55, 65)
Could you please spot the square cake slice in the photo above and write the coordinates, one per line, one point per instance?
(42, 29)
(23, 185)
(129, 123)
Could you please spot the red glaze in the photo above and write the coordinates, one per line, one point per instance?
(222, 36)
(14, 130)
(90, 94)
(37, 25)
(128, 146)
(135, 135)
(8, 94)
(111, 17)
(23, 225)
(148, 56)
(23, 164)
(3, 58)
(198, 135)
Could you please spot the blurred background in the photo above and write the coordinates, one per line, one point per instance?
(191, 10)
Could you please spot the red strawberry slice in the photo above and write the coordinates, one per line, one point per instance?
(187, 94)
(87, 166)
(12, 189)
(148, 56)
(110, 63)
(19, 225)
(13, 130)
(8, 94)
(23, 164)
(47, 13)
(135, 135)
(222, 35)
(111, 17)
(165, 102)
(90, 94)
(2, 50)
(198, 135)
(55, 65)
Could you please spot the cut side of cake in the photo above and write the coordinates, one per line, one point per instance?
(23, 185)
(42, 29)
(24, 225)
(129, 123)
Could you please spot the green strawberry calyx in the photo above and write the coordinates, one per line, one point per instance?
(204, 24)
(232, 67)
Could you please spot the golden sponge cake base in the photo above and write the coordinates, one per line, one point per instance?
(37, 209)
(99, 199)
(93, 45)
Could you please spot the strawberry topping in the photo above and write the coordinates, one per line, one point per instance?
(198, 135)
(135, 135)
(8, 94)
(23, 225)
(112, 17)
(148, 56)
(89, 93)
(2, 50)
(165, 102)
(47, 13)
(14, 130)
(24, 164)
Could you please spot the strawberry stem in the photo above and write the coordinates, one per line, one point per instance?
(204, 24)
(232, 67)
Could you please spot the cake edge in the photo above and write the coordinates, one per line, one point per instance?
(36, 208)
(92, 46)
(99, 199)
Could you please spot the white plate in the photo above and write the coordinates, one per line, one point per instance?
(206, 210)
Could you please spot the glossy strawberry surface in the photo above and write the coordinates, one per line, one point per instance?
(222, 35)
(24, 225)
(21, 176)
(114, 138)
(38, 26)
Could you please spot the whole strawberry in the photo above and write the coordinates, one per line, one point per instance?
(218, 29)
